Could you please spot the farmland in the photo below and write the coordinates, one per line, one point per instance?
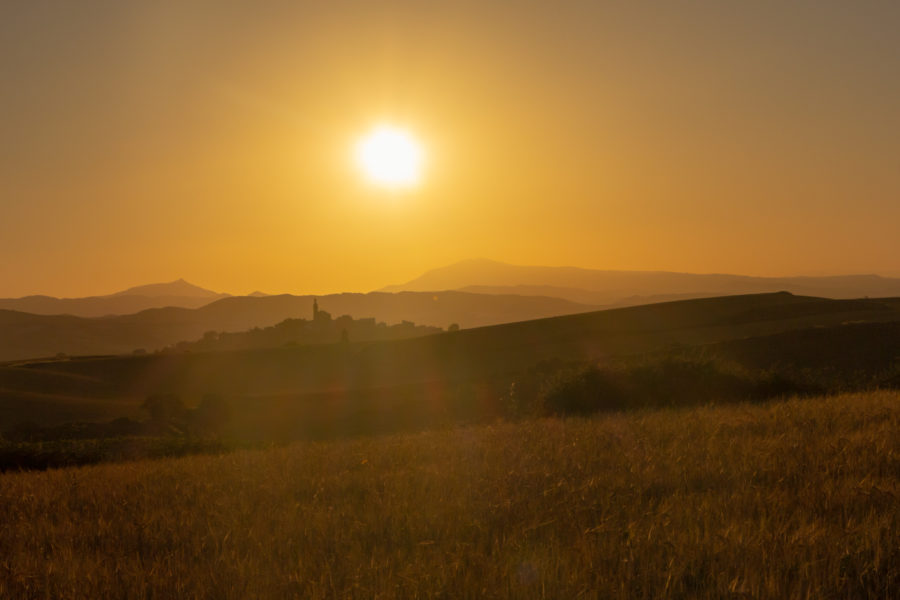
(788, 499)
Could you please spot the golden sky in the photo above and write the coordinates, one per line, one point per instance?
(147, 141)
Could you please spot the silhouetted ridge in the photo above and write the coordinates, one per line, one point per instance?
(177, 293)
(606, 287)
(179, 287)
(28, 335)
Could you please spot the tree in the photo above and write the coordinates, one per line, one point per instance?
(164, 408)
(213, 413)
(453, 327)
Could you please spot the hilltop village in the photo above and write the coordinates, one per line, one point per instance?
(321, 329)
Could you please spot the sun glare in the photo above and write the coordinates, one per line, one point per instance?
(390, 157)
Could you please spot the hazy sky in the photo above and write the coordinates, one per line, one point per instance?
(147, 141)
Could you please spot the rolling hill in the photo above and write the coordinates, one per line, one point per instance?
(25, 335)
(432, 368)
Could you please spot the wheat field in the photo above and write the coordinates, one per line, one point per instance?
(794, 499)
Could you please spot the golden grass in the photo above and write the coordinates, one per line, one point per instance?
(799, 499)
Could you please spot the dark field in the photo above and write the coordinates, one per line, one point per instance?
(793, 499)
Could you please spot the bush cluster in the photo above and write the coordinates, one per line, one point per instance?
(558, 388)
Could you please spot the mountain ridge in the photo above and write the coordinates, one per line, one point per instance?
(616, 287)
(179, 287)
(179, 293)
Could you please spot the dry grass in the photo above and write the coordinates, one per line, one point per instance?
(790, 500)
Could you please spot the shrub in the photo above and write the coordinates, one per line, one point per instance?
(164, 408)
(582, 392)
(212, 415)
(660, 381)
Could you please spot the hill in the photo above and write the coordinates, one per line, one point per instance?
(24, 335)
(577, 295)
(179, 288)
(178, 293)
(633, 287)
(363, 382)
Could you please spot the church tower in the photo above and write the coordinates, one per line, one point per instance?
(315, 309)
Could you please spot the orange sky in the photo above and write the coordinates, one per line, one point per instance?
(144, 142)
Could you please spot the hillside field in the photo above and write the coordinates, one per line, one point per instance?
(793, 499)
(838, 341)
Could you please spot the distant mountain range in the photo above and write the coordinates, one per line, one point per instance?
(620, 288)
(470, 293)
(589, 287)
(26, 335)
(158, 295)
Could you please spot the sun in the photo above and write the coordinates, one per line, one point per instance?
(391, 157)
